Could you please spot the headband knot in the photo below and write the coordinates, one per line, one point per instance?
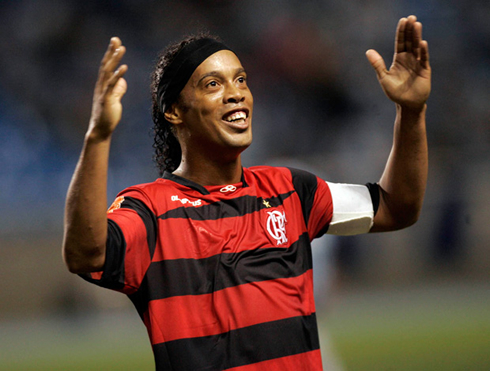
(180, 70)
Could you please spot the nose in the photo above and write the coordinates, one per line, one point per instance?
(233, 94)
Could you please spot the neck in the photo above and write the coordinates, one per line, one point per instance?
(207, 173)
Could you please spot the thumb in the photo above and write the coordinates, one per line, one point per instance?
(377, 62)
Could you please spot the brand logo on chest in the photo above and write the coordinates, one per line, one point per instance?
(184, 201)
(228, 188)
(276, 226)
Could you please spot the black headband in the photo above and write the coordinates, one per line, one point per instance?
(181, 68)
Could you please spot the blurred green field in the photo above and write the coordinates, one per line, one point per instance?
(437, 328)
(102, 342)
(441, 328)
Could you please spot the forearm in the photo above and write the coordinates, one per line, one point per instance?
(86, 205)
(403, 183)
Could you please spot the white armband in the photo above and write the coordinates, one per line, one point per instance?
(353, 211)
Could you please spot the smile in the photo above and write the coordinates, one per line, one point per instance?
(236, 116)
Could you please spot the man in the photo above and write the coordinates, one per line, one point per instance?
(216, 257)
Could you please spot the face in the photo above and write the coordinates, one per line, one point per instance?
(215, 108)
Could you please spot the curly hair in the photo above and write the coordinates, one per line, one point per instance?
(167, 148)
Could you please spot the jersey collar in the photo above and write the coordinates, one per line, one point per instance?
(190, 184)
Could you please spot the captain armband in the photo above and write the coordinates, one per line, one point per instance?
(354, 207)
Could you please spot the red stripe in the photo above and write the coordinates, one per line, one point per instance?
(96, 275)
(311, 361)
(225, 235)
(232, 308)
(322, 210)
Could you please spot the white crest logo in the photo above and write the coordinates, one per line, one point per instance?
(186, 200)
(276, 226)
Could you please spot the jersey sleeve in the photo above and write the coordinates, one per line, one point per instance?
(131, 240)
(316, 201)
(333, 208)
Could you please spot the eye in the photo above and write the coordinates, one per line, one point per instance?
(242, 79)
(212, 84)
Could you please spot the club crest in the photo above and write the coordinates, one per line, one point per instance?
(276, 226)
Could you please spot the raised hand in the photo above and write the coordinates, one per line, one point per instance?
(408, 81)
(109, 89)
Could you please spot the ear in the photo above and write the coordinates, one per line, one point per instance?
(173, 114)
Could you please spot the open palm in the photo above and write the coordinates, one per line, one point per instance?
(110, 88)
(408, 81)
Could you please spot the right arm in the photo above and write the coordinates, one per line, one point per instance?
(85, 226)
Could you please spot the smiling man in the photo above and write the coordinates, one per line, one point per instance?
(216, 257)
(213, 122)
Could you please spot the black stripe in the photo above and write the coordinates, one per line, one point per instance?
(139, 301)
(240, 347)
(374, 192)
(234, 207)
(185, 182)
(305, 185)
(113, 271)
(149, 220)
(322, 231)
(203, 276)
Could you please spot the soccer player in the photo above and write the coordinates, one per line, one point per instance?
(216, 257)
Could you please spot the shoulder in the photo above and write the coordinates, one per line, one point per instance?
(290, 174)
(158, 185)
(268, 172)
(148, 193)
(284, 179)
(271, 177)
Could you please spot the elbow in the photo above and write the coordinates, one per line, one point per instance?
(408, 222)
(397, 212)
(74, 266)
(415, 216)
(91, 260)
(406, 217)
(393, 219)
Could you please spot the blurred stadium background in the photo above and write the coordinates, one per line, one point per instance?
(417, 299)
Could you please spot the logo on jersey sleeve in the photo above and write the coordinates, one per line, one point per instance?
(276, 226)
(116, 204)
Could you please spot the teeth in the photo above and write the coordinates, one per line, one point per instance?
(236, 116)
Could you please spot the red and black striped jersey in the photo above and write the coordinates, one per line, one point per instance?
(222, 275)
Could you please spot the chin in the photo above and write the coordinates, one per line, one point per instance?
(243, 143)
(238, 140)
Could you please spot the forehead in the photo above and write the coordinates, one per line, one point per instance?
(223, 62)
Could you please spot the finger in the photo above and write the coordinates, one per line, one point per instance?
(107, 69)
(114, 85)
(409, 33)
(417, 38)
(400, 36)
(377, 62)
(115, 59)
(114, 43)
(111, 58)
(424, 54)
(119, 73)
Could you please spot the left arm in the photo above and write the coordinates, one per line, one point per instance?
(407, 83)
